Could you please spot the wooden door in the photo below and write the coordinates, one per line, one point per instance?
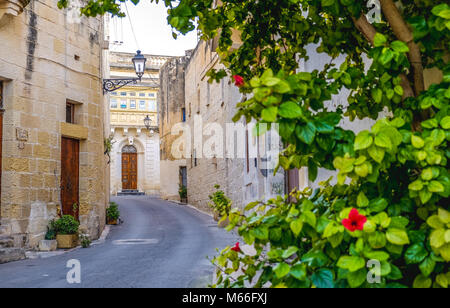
(70, 175)
(129, 171)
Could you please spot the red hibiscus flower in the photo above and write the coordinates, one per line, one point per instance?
(236, 248)
(238, 81)
(355, 221)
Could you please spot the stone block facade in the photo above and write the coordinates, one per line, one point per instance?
(171, 112)
(46, 63)
(242, 178)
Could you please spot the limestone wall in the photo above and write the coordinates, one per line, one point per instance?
(46, 61)
(171, 101)
(215, 103)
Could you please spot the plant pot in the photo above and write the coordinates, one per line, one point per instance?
(183, 200)
(111, 221)
(67, 241)
(216, 216)
(48, 245)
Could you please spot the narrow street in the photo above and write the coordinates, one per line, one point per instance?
(160, 244)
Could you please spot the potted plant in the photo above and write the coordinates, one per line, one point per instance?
(112, 214)
(49, 243)
(183, 193)
(85, 240)
(221, 205)
(66, 232)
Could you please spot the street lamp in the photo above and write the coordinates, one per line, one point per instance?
(139, 60)
(139, 64)
(147, 122)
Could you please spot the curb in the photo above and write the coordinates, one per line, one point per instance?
(192, 207)
(32, 255)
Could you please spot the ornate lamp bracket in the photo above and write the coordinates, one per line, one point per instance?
(110, 85)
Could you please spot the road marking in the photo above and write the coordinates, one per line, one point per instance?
(150, 241)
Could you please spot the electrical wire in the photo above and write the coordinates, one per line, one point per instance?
(131, 25)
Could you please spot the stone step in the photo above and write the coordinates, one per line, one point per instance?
(130, 193)
(11, 254)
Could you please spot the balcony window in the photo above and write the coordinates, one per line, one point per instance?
(152, 106)
(113, 103)
(141, 105)
(132, 104)
(123, 104)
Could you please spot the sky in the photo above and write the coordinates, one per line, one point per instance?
(153, 34)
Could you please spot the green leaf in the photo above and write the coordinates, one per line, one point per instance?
(327, 2)
(306, 133)
(422, 282)
(323, 279)
(416, 185)
(397, 236)
(427, 266)
(296, 226)
(290, 110)
(377, 240)
(379, 40)
(261, 233)
(417, 142)
(376, 153)
(378, 205)
(425, 196)
(377, 95)
(445, 122)
(437, 238)
(315, 259)
(270, 114)
(444, 215)
(356, 279)
(435, 186)
(377, 255)
(289, 252)
(399, 46)
(383, 140)
(442, 280)
(309, 218)
(362, 200)
(435, 222)
(399, 90)
(298, 271)
(281, 270)
(415, 254)
(351, 263)
(363, 141)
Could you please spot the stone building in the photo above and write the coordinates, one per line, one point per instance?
(171, 112)
(135, 152)
(53, 126)
(212, 142)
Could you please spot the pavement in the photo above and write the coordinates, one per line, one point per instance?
(159, 245)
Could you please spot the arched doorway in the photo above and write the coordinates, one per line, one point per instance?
(129, 168)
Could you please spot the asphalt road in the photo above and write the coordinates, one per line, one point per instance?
(169, 248)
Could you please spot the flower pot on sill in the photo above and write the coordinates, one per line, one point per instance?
(111, 221)
(67, 241)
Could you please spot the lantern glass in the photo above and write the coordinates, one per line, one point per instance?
(147, 122)
(139, 64)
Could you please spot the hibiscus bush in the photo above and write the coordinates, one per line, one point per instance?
(384, 220)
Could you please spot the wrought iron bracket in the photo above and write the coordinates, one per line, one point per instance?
(110, 85)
